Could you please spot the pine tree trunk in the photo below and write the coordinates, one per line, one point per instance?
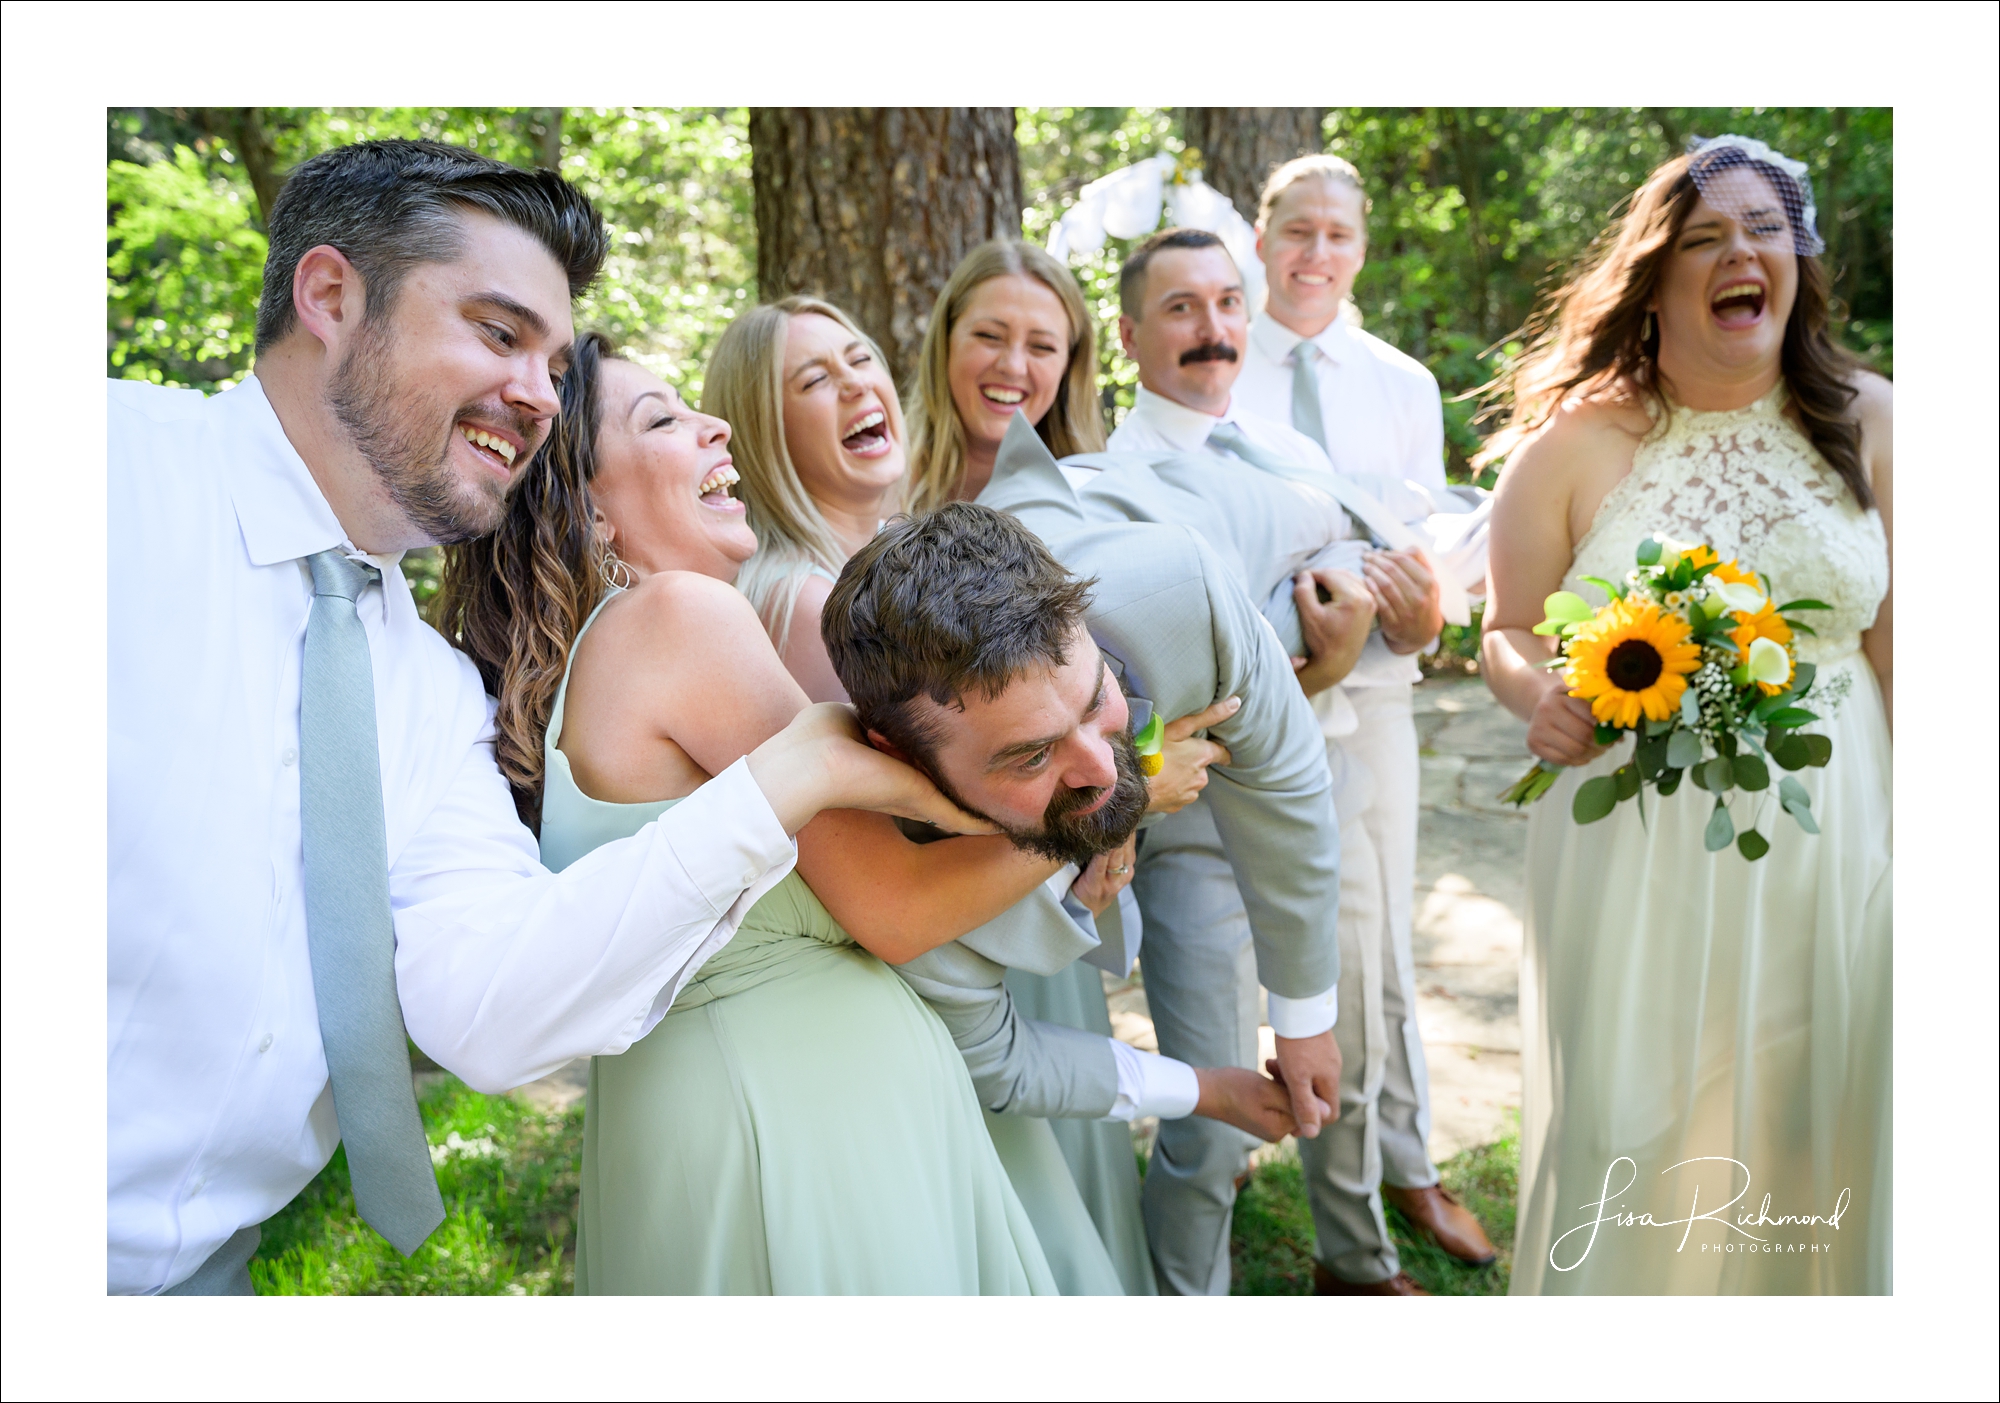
(872, 207)
(1241, 145)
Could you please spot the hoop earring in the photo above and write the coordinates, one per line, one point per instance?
(615, 573)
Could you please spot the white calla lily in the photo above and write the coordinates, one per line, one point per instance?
(1743, 599)
(1769, 662)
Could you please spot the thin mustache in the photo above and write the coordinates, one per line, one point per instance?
(1214, 351)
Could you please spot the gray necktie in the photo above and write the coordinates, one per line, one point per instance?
(349, 932)
(1305, 393)
(1232, 439)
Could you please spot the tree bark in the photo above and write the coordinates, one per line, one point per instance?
(243, 128)
(872, 207)
(1240, 146)
(545, 129)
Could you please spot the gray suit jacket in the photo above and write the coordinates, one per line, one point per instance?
(1177, 618)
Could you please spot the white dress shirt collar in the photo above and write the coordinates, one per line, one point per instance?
(279, 505)
(1181, 427)
(1277, 340)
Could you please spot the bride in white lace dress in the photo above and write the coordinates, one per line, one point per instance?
(1706, 1040)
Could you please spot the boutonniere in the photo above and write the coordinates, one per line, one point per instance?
(1147, 741)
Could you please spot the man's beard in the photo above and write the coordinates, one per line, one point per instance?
(1069, 836)
(1209, 350)
(392, 424)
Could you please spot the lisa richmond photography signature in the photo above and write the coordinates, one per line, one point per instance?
(1741, 1223)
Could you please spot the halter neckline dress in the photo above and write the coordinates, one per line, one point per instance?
(1697, 1026)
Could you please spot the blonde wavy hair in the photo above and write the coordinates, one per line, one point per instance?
(1074, 423)
(745, 385)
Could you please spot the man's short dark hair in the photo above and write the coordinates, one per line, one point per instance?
(965, 599)
(1132, 272)
(391, 205)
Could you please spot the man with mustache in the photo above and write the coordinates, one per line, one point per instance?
(311, 849)
(1185, 323)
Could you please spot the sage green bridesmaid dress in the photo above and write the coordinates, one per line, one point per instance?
(798, 1124)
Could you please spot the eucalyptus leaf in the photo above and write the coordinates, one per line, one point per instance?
(1690, 708)
(1797, 803)
(1608, 735)
(1650, 755)
(1819, 750)
(1752, 774)
(1718, 775)
(1720, 829)
(1648, 552)
(1802, 678)
(1791, 751)
(1683, 749)
(1752, 844)
(1659, 728)
(1670, 780)
(1628, 781)
(1594, 799)
(1791, 717)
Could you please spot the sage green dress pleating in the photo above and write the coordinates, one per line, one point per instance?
(798, 1124)
(1098, 1153)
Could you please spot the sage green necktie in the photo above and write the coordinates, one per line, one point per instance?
(349, 931)
(1232, 439)
(1305, 393)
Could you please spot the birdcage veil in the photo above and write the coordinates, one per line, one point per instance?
(1711, 159)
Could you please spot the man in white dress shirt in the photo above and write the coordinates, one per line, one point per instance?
(1187, 327)
(1377, 414)
(310, 846)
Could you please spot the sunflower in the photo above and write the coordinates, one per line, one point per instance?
(1632, 658)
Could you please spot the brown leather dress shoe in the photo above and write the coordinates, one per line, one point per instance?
(1325, 1283)
(1436, 1214)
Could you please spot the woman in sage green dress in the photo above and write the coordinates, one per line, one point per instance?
(798, 1121)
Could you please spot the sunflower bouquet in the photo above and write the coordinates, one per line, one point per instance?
(1691, 656)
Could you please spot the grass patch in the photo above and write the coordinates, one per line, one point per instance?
(1271, 1237)
(508, 1173)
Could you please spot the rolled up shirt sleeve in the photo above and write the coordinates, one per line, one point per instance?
(507, 970)
(1152, 1085)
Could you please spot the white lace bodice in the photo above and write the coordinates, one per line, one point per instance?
(1750, 483)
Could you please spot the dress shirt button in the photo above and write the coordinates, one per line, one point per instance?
(265, 1045)
(290, 757)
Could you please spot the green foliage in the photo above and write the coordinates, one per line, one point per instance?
(185, 263)
(1063, 149)
(1476, 209)
(509, 1178)
(1271, 1235)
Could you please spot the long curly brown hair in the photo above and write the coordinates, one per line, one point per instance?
(514, 601)
(1593, 334)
